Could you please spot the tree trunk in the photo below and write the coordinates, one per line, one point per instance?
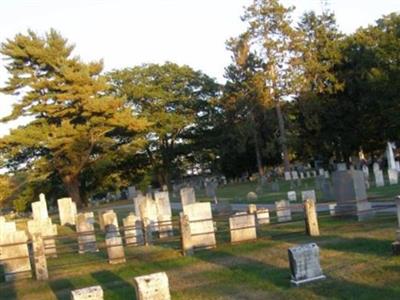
(282, 138)
(71, 184)
(260, 165)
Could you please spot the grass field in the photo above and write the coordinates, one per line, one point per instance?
(355, 257)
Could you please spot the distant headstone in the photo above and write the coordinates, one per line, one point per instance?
(67, 211)
(275, 187)
(137, 201)
(187, 196)
(148, 213)
(251, 196)
(327, 174)
(393, 176)
(201, 224)
(287, 176)
(310, 194)
(131, 193)
(295, 175)
(39, 209)
(163, 204)
(376, 167)
(89, 293)
(100, 214)
(109, 217)
(133, 231)
(242, 227)
(152, 287)
(302, 175)
(283, 211)
(211, 189)
(341, 167)
(262, 216)
(365, 171)
(292, 196)
(304, 264)
(379, 181)
(351, 194)
(86, 234)
(321, 172)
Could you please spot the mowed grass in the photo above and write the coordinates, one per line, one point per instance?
(355, 257)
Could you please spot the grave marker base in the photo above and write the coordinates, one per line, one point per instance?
(304, 281)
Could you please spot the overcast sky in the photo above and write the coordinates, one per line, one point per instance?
(131, 32)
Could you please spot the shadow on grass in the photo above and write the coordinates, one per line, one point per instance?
(62, 288)
(358, 245)
(114, 286)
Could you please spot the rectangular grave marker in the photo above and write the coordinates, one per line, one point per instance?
(242, 227)
(152, 287)
(67, 211)
(187, 196)
(89, 293)
(86, 234)
(283, 211)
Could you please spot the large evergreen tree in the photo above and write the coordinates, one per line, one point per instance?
(74, 121)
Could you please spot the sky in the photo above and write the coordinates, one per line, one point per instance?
(126, 33)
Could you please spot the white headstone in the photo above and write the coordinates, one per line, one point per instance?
(152, 287)
(86, 234)
(283, 211)
(287, 176)
(242, 227)
(89, 293)
(379, 181)
(187, 196)
(262, 216)
(390, 156)
(295, 175)
(292, 196)
(393, 176)
(133, 231)
(310, 194)
(67, 211)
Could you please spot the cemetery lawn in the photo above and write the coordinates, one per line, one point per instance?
(355, 257)
(237, 192)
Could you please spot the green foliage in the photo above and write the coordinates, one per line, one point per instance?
(75, 121)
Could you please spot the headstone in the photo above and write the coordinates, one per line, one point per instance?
(321, 172)
(393, 176)
(242, 227)
(304, 264)
(275, 187)
(14, 255)
(311, 219)
(148, 213)
(39, 209)
(262, 215)
(211, 189)
(251, 208)
(89, 293)
(48, 231)
(187, 196)
(86, 234)
(327, 174)
(152, 287)
(379, 181)
(341, 167)
(295, 175)
(186, 236)
(133, 231)
(283, 211)
(251, 196)
(327, 191)
(100, 214)
(137, 201)
(310, 194)
(115, 249)
(109, 217)
(390, 156)
(163, 204)
(313, 173)
(39, 257)
(287, 176)
(332, 209)
(302, 175)
(308, 174)
(201, 224)
(365, 171)
(292, 196)
(376, 167)
(351, 194)
(67, 211)
(131, 192)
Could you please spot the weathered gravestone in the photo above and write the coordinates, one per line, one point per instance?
(39, 257)
(262, 215)
(211, 189)
(48, 231)
(187, 196)
(149, 215)
(351, 194)
(393, 176)
(100, 214)
(14, 254)
(201, 224)
(311, 219)
(283, 211)
(152, 287)
(310, 194)
(321, 172)
(304, 264)
(164, 214)
(89, 293)
(365, 171)
(133, 230)
(292, 196)
(242, 227)
(131, 192)
(287, 176)
(86, 234)
(137, 201)
(115, 249)
(295, 175)
(39, 209)
(379, 181)
(67, 211)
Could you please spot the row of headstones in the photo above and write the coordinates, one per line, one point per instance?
(294, 175)
(304, 263)
(198, 231)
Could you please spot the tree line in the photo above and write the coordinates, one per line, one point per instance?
(294, 92)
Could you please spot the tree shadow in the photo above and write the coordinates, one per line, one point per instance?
(357, 245)
(114, 286)
(61, 288)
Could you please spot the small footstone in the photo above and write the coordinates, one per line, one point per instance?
(89, 293)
